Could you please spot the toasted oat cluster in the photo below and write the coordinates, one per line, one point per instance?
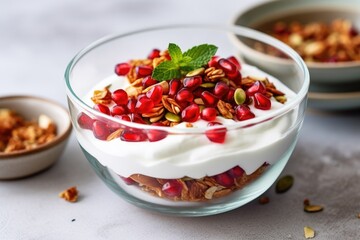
(338, 41)
(71, 194)
(17, 134)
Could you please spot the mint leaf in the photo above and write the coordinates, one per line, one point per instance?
(175, 52)
(200, 54)
(166, 70)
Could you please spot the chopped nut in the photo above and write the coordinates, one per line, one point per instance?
(70, 194)
(225, 109)
(313, 208)
(264, 200)
(309, 232)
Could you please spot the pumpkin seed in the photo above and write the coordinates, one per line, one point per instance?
(239, 96)
(172, 117)
(313, 208)
(284, 184)
(208, 85)
(195, 72)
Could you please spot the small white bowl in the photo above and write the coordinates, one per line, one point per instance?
(263, 16)
(28, 162)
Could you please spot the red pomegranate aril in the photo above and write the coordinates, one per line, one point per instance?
(155, 94)
(85, 121)
(191, 113)
(172, 188)
(148, 81)
(192, 82)
(113, 126)
(257, 87)
(124, 117)
(236, 172)
(133, 135)
(155, 53)
(174, 86)
(214, 62)
(198, 91)
(118, 110)
(137, 118)
(243, 112)
(224, 179)
(261, 101)
(128, 180)
(122, 69)
(143, 71)
(144, 105)
(236, 78)
(184, 95)
(208, 114)
(220, 89)
(217, 135)
(102, 108)
(234, 60)
(119, 96)
(155, 135)
(229, 97)
(100, 130)
(228, 67)
(209, 98)
(131, 105)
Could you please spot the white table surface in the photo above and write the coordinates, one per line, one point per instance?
(37, 40)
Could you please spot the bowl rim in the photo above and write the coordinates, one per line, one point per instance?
(310, 65)
(58, 139)
(227, 29)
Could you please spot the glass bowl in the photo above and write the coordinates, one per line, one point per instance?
(185, 171)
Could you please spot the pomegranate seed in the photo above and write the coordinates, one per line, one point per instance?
(131, 105)
(118, 110)
(119, 96)
(155, 94)
(122, 69)
(102, 108)
(228, 67)
(257, 87)
(124, 117)
(221, 89)
(234, 60)
(214, 62)
(100, 130)
(148, 81)
(198, 91)
(113, 126)
(143, 71)
(172, 188)
(174, 86)
(209, 98)
(236, 172)
(243, 112)
(184, 95)
(208, 114)
(236, 78)
(261, 101)
(155, 53)
(137, 118)
(155, 135)
(158, 124)
(216, 135)
(128, 180)
(192, 82)
(85, 121)
(230, 95)
(224, 179)
(133, 135)
(144, 105)
(191, 113)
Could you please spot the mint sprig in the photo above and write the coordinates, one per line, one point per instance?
(182, 63)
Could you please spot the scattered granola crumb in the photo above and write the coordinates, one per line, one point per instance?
(70, 194)
(358, 216)
(264, 200)
(309, 232)
(306, 202)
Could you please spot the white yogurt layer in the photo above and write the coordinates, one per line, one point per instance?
(193, 155)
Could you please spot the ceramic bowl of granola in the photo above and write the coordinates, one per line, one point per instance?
(326, 33)
(33, 134)
(177, 124)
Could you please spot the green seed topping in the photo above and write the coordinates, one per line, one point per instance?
(172, 117)
(239, 96)
(284, 184)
